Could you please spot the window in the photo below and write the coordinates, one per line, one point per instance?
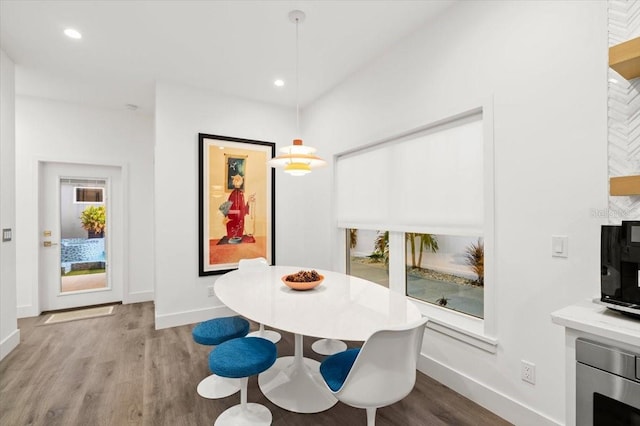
(432, 191)
(446, 270)
(368, 255)
(88, 195)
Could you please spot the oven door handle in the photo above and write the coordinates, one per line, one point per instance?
(607, 358)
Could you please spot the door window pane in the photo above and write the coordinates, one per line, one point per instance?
(447, 271)
(83, 217)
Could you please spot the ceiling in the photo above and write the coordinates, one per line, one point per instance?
(235, 47)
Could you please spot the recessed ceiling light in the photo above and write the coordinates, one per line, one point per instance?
(279, 83)
(613, 80)
(71, 33)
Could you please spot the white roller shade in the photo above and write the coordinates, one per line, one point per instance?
(431, 181)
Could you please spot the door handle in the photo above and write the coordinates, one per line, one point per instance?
(49, 244)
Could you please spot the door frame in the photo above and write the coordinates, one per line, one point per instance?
(122, 246)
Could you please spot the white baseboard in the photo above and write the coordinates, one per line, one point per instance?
(502, 405)
(139, 296)
(26, 311)
(9, 343)
(191, 317)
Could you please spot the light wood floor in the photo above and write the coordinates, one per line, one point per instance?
(117, 370)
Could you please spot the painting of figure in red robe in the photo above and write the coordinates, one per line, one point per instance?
(237, 201)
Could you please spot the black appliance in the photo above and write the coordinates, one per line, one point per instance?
(620, 267)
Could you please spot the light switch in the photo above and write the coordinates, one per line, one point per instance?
(559, 246)
(6, 234)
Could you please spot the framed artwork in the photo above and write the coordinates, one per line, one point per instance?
(236, 215)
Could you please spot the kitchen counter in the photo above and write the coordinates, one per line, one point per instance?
(593, 318)
(589, 319)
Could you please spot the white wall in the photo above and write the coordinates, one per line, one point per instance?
(182, 113)
(49, 130)
(544, 64)
(9, 333)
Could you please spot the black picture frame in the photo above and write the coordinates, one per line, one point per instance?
(236, 212)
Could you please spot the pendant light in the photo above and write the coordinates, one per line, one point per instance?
(297, 159)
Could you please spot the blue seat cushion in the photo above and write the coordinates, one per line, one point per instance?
(218, 330)
(242, 357)
(335, 368)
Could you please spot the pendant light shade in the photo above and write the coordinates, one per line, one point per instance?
(297, 159)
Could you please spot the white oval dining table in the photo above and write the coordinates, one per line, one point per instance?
(342, 307)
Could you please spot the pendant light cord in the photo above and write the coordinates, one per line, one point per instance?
(297, 80)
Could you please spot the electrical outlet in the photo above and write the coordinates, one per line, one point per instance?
(210, 291)
(528, 372)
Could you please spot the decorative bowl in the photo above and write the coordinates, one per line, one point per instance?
(308, 285)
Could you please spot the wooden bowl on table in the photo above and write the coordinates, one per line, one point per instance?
(303, 285)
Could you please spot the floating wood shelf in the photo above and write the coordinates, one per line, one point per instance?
(624, 58)
(624, 185)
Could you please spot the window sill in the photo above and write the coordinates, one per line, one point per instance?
(464, 328)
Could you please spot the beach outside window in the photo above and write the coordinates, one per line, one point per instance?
(447, 271)
(368, 255)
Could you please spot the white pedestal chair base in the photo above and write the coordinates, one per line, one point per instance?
(274, 336)
(328, 346)
(251, 415)
(242, 358)
(214, 387)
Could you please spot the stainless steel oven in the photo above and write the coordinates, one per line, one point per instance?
(607, 385)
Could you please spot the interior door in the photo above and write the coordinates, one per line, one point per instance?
(81, 250)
